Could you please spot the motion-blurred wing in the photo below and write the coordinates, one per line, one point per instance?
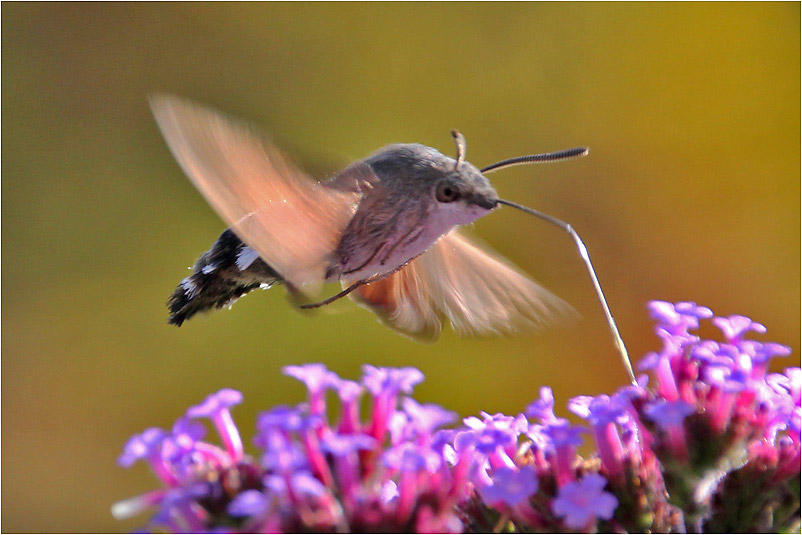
(293, 222)
(476, 291)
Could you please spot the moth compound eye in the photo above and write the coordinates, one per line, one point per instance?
(446, 192)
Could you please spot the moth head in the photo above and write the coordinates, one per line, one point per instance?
(465, 183)
(453, 188)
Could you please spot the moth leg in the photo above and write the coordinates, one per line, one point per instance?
(335, 297)
(350, 289)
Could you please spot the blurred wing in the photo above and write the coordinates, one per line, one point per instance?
(293, 222)
(478, 292)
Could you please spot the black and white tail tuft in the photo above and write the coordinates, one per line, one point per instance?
(223, 274)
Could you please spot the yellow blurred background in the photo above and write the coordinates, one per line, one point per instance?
(691, 192)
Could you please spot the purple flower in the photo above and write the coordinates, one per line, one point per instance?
(385, 384)
(562, 434)
(148, 447)
(630, 392)
(345, 444)
(393, 380)
(302, 484)
(486, 440)
(794, 384)
(418, 422)
(691, 309)
(494, 435)
(183, 449)
(543, 408)
(677, 319)
(514, 425)
(316, 376)
(142, 446)
(603, 412)
(282, 455)
(187, 432)
(176, 512)
(216, 408)
(349, 393)
(728, 379)
(347, 390)
(582, 502)
(734, 327)
(317, 379)
(408, 461)
(214, 403)
(405, 458)
(306, 484)
(345, 448)
(284, 418)
(761, 355)
(764, 352)
(668, 414)
(426, 418)
(782, 394)
(510, 486)
(563, 439)
(249, 503)
(660, 364)
(599, 410)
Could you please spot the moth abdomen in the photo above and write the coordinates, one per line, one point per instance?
(221, 275)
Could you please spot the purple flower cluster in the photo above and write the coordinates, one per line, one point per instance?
(712, 446)
(724, 431)
(389, 472)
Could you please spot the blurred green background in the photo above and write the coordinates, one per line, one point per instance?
(691, 192)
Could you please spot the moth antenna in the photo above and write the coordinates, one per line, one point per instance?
(459, 141)
(583, 252)
(558, 156)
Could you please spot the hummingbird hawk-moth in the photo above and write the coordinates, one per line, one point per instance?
(385, 227)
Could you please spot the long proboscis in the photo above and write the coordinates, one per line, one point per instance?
(583, 252)
(558, 156)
